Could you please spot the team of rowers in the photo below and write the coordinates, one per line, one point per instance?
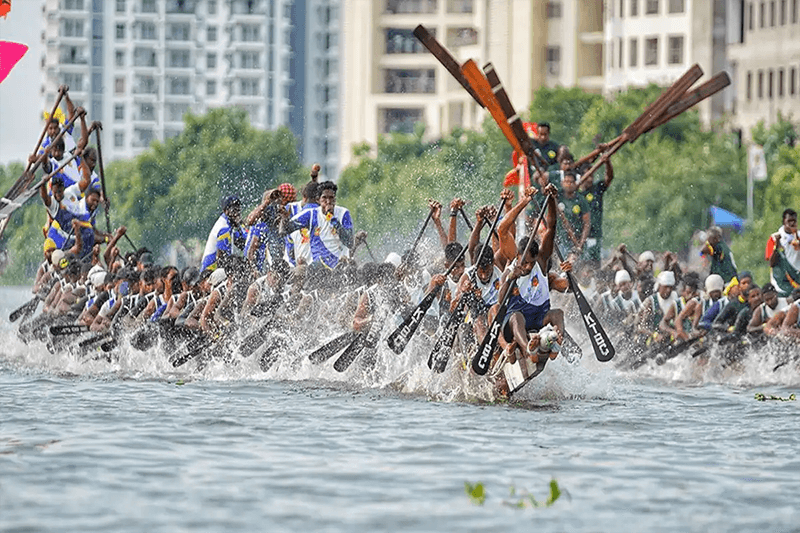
(288, 269)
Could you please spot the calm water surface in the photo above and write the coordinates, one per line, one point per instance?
(128, 447)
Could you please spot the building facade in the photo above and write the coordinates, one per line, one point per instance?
(390, 82)
(765, 62)
(140, 65)
(655, 41)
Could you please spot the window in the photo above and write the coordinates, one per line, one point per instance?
(211, 34)
(145, 85)
(148, 31)
(762, 15)
(119, 139)
(212, 7)
(611, 55)
(120, 32)
(651, 51)
(456, 37)
(179, 59)
(119, 112)
(119, 58)
(675, 6)
(211, 61)
(97, 29)
(211, 87)
(781, 75)
(72, 28)
(175, 112)
(119, 85)
(146, 112)
(772, 13)
(179, 86)
(400, 120)
(410, 6)
(249, 60)
(760, 84)
(792, 81)
(143, 137)
(651, 7)
(633, 46)
(73, 55)
(634, 10)
(120, 6)
(621, 62)
(410, 81)
(553, 60)
(795, 7)
(73, 81)
(750, 15)
(769, 84)
(554, 9)
(181, 6)
(73, 5)
(148, 6)
(249, 87)
(783, 12)
(179, 32)
(621, 8)
(144, 57)
(403, 41)
(749, 86)
(251, 33)
(675, 56)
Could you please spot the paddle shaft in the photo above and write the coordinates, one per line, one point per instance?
(61, 94)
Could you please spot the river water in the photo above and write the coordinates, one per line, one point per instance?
(137, 446)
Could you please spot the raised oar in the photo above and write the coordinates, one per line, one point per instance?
(371, 255)
(419, 237)
(440, 354)
(25, 309)
(61, 92)
(400, 337)
(483, 357)
(466, 219)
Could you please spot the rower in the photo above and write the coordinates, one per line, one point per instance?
(656, 306)
(698, 306)
(263, 223)
(225, 234)
(770, 306)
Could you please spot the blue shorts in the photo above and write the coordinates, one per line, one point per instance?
(534, 318)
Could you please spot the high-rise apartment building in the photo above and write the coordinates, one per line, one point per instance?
(140, 65)
(655, 41)
(389, 81)
(764, 52)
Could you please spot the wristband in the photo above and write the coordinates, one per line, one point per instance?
(453, 213)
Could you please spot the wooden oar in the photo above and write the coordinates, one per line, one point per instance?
(401, 336)
(445, 58)
(483, 357)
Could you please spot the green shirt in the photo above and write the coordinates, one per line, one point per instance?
(722, 262)
(573, 209)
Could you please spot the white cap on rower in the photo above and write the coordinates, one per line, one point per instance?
(714, 282)
(647, 256)
(666, 279)
(97, 278)
(217, 277)
(621, 277)
(56, 257)
(393, 258)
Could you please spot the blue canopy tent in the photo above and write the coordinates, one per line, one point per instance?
(725, 219)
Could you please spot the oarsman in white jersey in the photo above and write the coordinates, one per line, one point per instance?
(697, 306)
(529, 304)
(785, 244)
(482, 293)
(770, 306)
(442, 304)
(626, 302)
(298, 243)
(329, 226)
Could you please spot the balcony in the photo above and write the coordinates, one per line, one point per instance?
(405, 7)
(407, 81)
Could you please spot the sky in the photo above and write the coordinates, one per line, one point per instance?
(21, 100)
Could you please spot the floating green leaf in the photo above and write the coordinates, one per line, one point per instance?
(526, 499)
(761, 397)
(475, 492)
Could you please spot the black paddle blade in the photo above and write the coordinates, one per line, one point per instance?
(253, 342)
(603, 349)
(68, 329)
(349, 354)
(437, 360)
(400, 337)
(25, 309)
(93, 340)
(483, 359)
(325, 352)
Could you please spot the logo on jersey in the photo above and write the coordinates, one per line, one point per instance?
(576, 209)
(304, 238)
(589, 197)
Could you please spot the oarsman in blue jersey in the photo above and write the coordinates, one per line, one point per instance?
(329, 227)
(54, 125)
(264, 222)
(225, 234)
(59, 155)
(298, 243)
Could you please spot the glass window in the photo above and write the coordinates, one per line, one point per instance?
(120, 32)
(651, 7)
(410, 81)
(634, 10)
(633, 57)
(749, 86)
(211, 34)
(781, 75)
(119, 112)
(119, 85)
(119, 58)
(760, 84)
(651, 51)
(676, 6)
(211, 87)
(148, 6)
(554, 9)
(675, 56)
(119, 139)
(750, 16)
(120, 6)
(148, 31)
(762, 15)
(553, 60)
(212, 7)
(211, 61)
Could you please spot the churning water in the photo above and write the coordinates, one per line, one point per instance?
(135, 446)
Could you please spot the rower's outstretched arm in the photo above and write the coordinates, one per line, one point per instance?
(505, 230)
